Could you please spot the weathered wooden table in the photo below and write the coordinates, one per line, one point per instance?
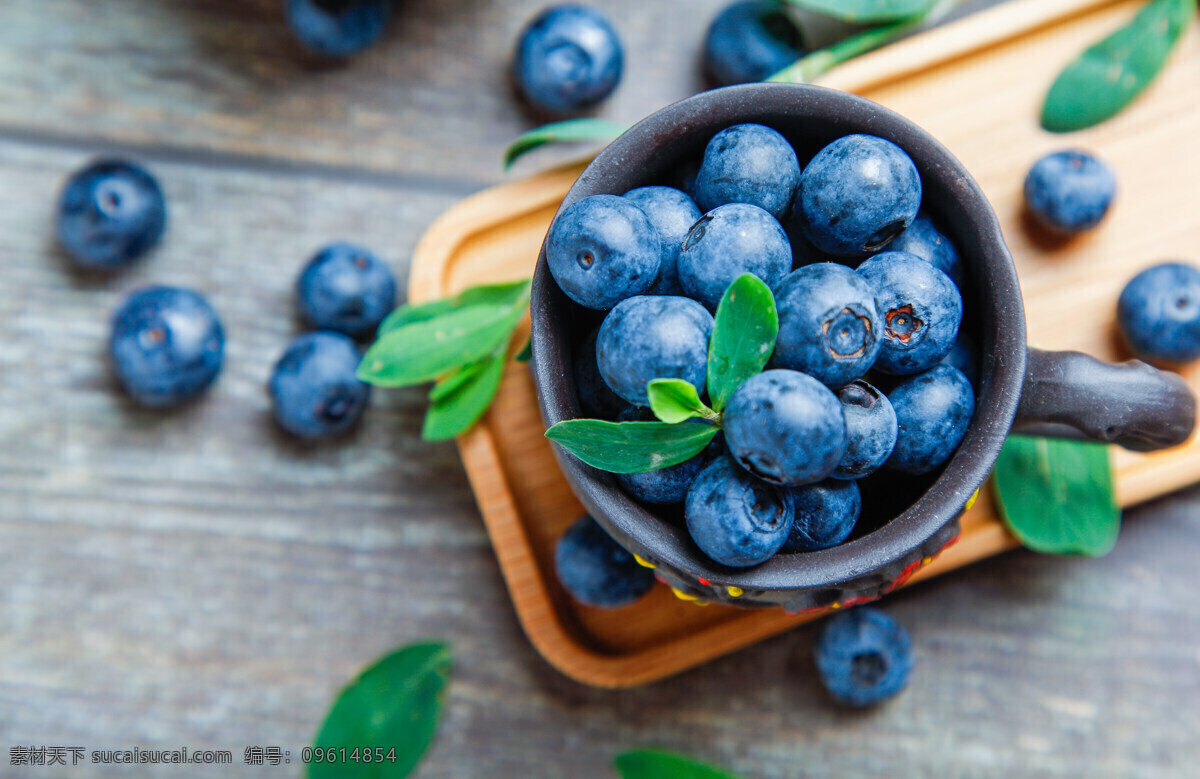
(199, 579)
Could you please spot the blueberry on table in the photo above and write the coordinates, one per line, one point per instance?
(167, 345)
(863, 657)
(672, 213)
(921, 311)
(871, 430)
(734, 518)
(345, 288)
(933, 412)
(110, 213)
(749, 41)
(1069, 191)
(595, 570)
(923, 239)
(568, 58)
(826, 513)
(748, 163)
(828, 325)
(856, 195)
(727, 242)
(603, 249)
(314, 390)
(1159, 313)
(597, 400)
(653, 337)
(337, 28)
(785, 428)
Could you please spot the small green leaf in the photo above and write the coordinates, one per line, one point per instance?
(660, 764)
(459, 400)
(743, 337)
(1056, 496)
(1108, 76)
(505, 294)
(394, 704)
(526, 353)
(867, 11)
(585, 129)
(631, 447)
(675, 400)
(421, 351)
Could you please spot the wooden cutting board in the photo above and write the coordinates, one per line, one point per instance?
(976, 85)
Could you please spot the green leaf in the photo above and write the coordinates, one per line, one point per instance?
(394, 704)
(1056, 496)
(505, 294)
(631, 447)
(867, 11)
(675, 400)
(459, 400)
(526, 353)
(585, 129)
(1109, 75)
(660, 764)
(421, 351)
(743, 337)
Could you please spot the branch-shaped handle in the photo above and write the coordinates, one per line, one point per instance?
(1129, 404)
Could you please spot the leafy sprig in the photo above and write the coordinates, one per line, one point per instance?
(461, 343)
(743, 337)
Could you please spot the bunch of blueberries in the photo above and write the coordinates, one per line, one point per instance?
(867, 294)
(167, 344)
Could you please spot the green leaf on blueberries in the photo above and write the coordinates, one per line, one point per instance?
(526, 353)
(1110, 74)
(505, 294)
(743, 337)
(394, 704)
(421, 351)
(459, 400)
(584, 129)
(660, 764)
(631, 447)
(1056, 496)
(867, 11)
(675, 400)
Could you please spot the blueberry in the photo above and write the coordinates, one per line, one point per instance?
(857, 194)
(962, 356)
(595, 570)
(568, 58)
(110, 213)
(167, 345)
(870, 430)
(864, 657)
(785, 427)
(1069, 191)
(595, 396)
(828, 326)
(734, 518)
(933, 412)
(672, 213)
(727, 242)
(748, 163)
(749, 41)
(921, 311)
(665, 485)
(345, 288)
(923, 239)
(603, 249)
(1159, 313)
(653, 337)
(337, 28)
(314, 390)
(826, 513)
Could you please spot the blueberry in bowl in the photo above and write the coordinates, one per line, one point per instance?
(914, 436)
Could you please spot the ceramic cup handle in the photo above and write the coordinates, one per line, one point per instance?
(1129, 404)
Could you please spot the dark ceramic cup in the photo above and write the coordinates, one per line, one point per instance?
(906, 520)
